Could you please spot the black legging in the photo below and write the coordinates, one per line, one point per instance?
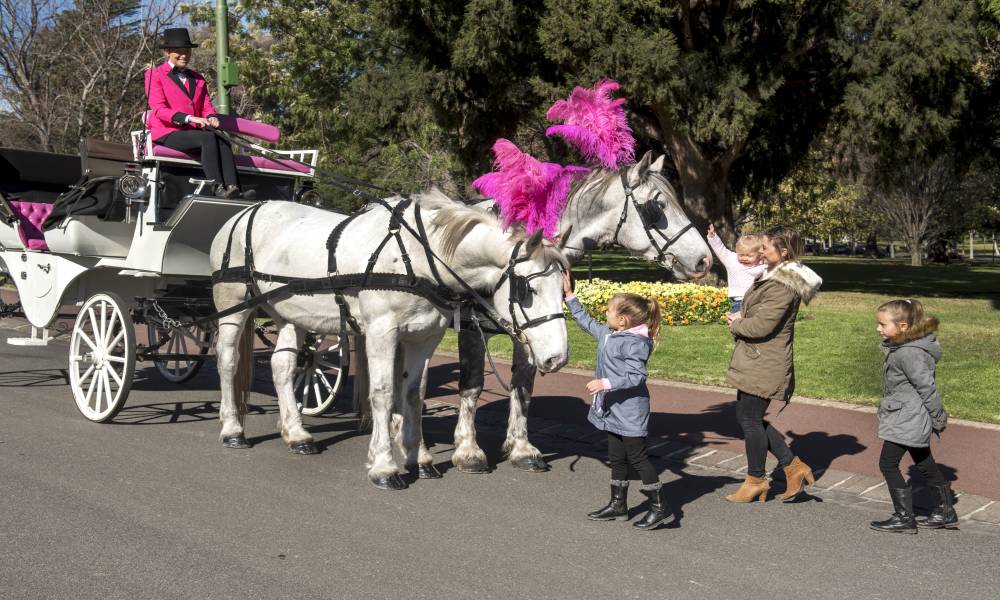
(759, 436)
(216, 154)
(892, 453)
(630, 451)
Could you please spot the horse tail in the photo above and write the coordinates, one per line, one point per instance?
(360, 402)
(243, 378)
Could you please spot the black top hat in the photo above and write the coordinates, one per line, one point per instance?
(176, 38)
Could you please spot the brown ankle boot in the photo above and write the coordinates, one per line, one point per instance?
(795, 474)
(753, 488)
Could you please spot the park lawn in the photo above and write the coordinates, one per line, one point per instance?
(836, 350)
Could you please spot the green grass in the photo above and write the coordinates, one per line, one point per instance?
(836, 347)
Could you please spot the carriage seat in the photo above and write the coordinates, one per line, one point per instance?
(246, 127)
(242, 160)
(30, 216)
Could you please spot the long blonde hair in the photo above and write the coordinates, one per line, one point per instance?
(640, 311)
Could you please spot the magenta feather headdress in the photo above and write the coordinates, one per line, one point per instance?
(595, 123)
(527, 190)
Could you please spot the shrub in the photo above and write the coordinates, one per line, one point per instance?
(680, 303)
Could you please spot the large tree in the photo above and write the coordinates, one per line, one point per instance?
(906, 112)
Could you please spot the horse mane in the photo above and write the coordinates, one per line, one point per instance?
(453, 220)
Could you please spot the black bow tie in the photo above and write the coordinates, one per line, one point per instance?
(179, 71)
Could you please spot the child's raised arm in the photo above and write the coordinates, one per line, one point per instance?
(583, 319)
(726, 256)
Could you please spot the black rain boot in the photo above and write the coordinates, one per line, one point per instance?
(902, 520)
(659, 510)
(617, 508)
(943, 514)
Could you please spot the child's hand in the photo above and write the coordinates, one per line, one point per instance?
(711, 230)
(567, 285)
(595, 385)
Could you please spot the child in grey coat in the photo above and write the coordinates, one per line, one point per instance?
(910, 410)
(621, 399)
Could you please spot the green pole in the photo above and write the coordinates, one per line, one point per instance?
(222, 64)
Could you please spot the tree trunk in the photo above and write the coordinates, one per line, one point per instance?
(916, 255)
(704, 181)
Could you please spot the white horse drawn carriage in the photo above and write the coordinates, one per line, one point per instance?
(123, 233)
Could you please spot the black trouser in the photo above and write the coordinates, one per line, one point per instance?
(759, 436)
(216, 153)
(892, 453)
(630, 451)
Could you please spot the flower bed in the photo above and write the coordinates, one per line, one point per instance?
(680, 303)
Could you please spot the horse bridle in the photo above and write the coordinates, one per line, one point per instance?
(520, 291)
(648, 222)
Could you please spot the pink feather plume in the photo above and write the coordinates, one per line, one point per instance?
(527, 190)
(595, 123)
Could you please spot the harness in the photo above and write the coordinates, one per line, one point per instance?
(435, 291)
(649, 213)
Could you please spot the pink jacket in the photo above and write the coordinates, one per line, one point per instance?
(169, 102)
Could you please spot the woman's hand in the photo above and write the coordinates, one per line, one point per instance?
(567, 285)
(732, 318)
(595, 385)
(203, 122)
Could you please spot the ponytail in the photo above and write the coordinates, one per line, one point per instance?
(653, 322)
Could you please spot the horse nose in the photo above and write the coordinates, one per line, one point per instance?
(552, 363)
(705, 264)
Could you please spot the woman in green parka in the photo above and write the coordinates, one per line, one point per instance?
(762, 368)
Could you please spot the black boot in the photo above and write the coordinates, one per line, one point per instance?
(902, 520)
(943, 514)
(659, 510)
(617, 508)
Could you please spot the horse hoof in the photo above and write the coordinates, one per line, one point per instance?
(428, 471)
(475, 467)
(303, 448)
(389, 482)
(532, 464)
(237, 442)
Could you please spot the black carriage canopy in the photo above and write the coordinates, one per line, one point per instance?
(74, 185)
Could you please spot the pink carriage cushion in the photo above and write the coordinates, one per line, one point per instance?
(242, 160)
(261, 131)
(31, 215)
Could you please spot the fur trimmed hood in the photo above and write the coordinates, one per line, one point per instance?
(918, 332)
(797, 277)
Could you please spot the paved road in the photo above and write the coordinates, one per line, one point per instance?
(824, 436)
(153, 507)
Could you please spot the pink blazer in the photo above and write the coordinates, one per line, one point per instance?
(169, 102)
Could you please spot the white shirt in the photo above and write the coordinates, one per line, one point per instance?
(739, 277)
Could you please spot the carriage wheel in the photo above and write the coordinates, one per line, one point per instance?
(190, 340)
(102, 357)
(319, 375)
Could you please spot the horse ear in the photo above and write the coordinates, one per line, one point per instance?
(564, 237)
(643, 165)
(533, 243)
(657, 166)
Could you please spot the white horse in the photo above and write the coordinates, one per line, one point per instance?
(637, 209)
(402, 329)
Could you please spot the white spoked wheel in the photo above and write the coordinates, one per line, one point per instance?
(319, 374)
(102, 357)
(189, 340)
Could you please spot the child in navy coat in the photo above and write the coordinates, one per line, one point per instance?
(621, 399)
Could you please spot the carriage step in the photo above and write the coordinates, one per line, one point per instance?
(34, 340)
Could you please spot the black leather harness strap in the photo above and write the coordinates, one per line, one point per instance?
(648, 227)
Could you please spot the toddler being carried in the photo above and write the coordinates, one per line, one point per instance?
(742, 266)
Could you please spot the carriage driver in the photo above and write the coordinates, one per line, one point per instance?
(180, 108)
